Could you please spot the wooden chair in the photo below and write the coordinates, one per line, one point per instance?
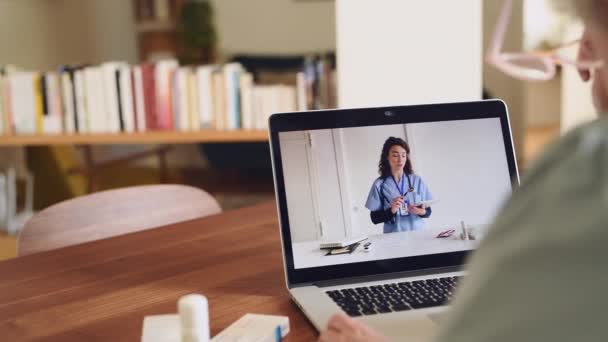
(114, 212)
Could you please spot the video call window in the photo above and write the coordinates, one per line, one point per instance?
(398, 185)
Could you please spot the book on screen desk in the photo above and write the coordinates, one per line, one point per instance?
(343, 250)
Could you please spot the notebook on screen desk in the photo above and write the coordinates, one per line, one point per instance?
(341, 243)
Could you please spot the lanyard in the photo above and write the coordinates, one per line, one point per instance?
(401, 187)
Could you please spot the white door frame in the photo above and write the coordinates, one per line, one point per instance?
(314, 183)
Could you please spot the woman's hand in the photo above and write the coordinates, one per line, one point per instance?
(417, 210)
(396, 204)
(345, 329)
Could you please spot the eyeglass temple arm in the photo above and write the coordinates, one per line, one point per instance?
(498, 37)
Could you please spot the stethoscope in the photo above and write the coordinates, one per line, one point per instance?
(400, 187)
(401, 192)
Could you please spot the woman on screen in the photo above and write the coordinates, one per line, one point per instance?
(395, 197)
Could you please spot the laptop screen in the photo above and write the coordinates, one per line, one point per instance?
(368, 193)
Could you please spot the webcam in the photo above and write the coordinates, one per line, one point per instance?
(389, 113)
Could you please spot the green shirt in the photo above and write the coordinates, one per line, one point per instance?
(541, 274)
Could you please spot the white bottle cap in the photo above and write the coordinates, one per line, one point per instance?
(465, 233)
(193, 312)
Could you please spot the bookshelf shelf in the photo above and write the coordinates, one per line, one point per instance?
(155, 26)
(157, 137)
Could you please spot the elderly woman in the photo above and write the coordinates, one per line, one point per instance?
(540, 275)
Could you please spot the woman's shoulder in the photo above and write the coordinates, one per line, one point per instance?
(378, 182)
(583, 147)
(416, 177)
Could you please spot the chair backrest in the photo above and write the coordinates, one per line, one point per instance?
(114, 212)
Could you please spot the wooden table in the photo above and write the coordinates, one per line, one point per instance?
(101, 291)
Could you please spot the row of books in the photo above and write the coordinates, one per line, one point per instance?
(117, 97)
(319, 78)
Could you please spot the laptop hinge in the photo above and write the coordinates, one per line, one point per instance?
(381, 277)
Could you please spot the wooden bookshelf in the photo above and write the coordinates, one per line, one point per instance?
(156, 33)
(155, 26)
(156, 137)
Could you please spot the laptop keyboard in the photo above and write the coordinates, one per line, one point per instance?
(385, 298)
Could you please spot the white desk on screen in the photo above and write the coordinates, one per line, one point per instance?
(384, 246)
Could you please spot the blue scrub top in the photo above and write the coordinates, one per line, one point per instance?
(389, 189)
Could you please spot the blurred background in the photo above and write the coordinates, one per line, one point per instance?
(304, 54)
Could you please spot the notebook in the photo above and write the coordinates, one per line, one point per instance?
(341, 243)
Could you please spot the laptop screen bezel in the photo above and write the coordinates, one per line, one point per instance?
(345, 118)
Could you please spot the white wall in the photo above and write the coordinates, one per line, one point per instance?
(301, 208)
(275, 26)
(43, 34)
(28, 33)
(112, 30)
(75, 44)
(327, 184)
(408, 51)
(465, 166)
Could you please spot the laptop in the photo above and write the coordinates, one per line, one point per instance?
(400, 270)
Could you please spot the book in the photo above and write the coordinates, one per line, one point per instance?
(23, 101)
(246, 87)
(138, 95)
(205, 95)
(149, 95)
(250, 327)
(161, 328)
(255, 327)
(193, 102)
(232, 72)
(219, 100)
(81, 121)
(114, 97)
(125, 97)
(38, 91)
(53, 121)
(344, 250)
(113, 119)
(95, 117)
(70, 98)
(181, 112)
(67, 102)
(163, 74)
(341, 243)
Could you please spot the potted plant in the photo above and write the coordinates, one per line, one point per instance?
(196, 32)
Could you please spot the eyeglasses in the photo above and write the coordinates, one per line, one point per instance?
(531, 66)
